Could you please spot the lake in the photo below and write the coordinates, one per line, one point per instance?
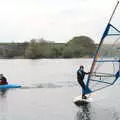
(49, 87)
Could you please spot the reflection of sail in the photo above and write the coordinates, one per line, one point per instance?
(90, 112)
(106, 62)
(84, 113)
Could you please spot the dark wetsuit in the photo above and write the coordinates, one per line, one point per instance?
(3, 81)
(117, 74)
(80, 77)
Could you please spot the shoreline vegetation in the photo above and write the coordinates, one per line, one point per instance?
(77, 47)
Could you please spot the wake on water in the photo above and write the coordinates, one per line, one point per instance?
(58, 84)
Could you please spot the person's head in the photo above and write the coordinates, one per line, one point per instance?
(1, 75)
(81, 67)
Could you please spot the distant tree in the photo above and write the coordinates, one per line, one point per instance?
(37, 49)
(32, 50)
(79, 46)
(11, 50)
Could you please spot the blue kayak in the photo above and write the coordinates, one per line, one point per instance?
(9, 86)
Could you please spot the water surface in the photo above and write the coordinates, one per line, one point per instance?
(49, 87)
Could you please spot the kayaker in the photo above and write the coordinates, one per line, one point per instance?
(3, 80)
(80, 77)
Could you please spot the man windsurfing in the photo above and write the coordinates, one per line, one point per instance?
(80, 77)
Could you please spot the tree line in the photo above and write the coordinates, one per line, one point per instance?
(79, 46)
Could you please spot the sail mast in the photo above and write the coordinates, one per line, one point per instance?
(101, 41)
(113, 11)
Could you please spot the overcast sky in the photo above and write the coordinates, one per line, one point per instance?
(54, 20)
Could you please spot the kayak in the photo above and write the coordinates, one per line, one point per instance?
(10, 86)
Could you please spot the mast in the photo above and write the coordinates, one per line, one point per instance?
(101, 41)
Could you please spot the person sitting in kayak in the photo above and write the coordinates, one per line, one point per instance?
(80, 77)
(3, 80)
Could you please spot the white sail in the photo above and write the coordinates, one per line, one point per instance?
(105, 68)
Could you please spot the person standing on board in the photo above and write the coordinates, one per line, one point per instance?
(80, 77)
(3, 80)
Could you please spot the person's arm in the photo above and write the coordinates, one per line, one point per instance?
(0, 82)
(86, 72)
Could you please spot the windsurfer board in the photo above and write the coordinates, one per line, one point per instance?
(80, 101)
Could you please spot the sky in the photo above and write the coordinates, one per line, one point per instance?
(54, 20)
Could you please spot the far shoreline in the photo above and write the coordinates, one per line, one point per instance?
(22, 58)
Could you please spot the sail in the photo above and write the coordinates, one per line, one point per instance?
(106, 64)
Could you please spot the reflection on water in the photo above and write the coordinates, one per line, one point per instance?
(3, 92)
(3, 104)
(84, 113)
(88, 112)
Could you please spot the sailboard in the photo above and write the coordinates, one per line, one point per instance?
(105, 69)
(79, 101)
